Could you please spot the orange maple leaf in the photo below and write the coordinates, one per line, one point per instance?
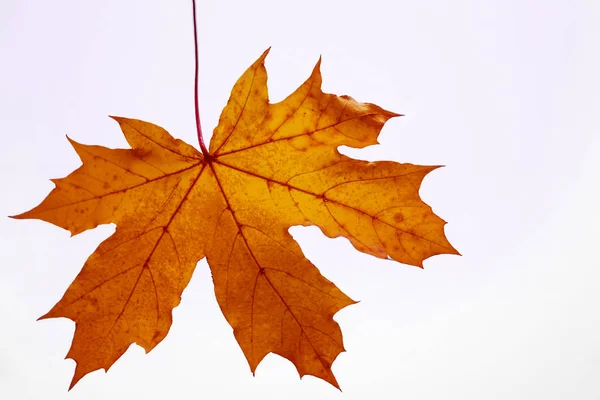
(270, 167)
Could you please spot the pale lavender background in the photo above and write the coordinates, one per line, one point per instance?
(505, 93)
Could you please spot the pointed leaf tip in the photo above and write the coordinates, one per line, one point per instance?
(263, 56)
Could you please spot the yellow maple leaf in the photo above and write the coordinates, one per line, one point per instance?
(270, 167)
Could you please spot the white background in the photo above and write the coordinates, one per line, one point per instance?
(505, 93)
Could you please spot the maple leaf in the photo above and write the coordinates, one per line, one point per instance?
(270, 167)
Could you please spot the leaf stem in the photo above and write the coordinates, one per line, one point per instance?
(198, 126)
